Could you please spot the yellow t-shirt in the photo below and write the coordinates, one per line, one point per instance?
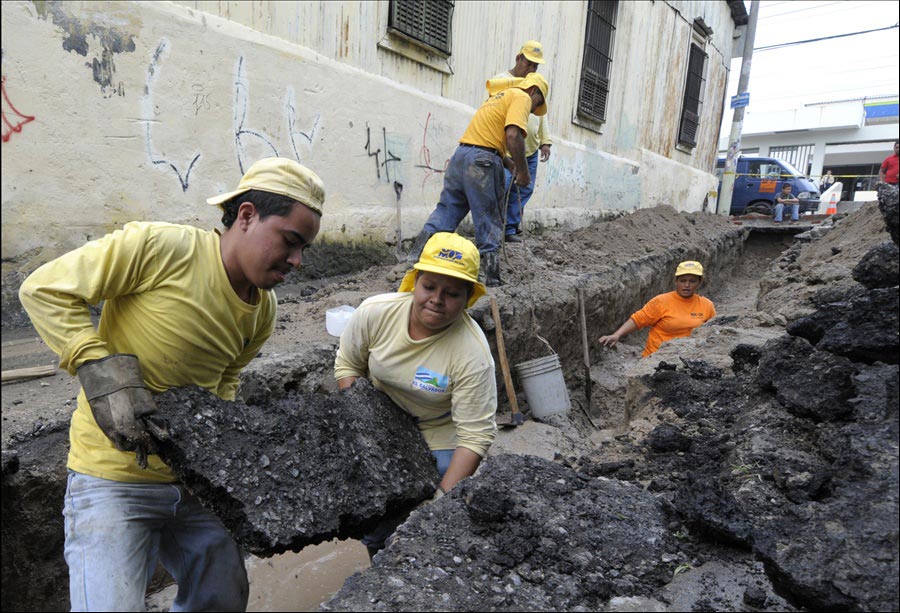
(445, 381)
(168, 301)
(511, 107)
(672, 317)
(538, 134)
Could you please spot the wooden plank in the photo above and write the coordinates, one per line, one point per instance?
(504, 365)
(33, 372)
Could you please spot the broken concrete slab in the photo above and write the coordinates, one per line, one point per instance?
(522, 534)
(299, 470)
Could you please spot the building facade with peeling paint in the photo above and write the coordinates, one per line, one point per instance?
(120, 111)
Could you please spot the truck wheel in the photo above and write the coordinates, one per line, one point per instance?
(760, 206)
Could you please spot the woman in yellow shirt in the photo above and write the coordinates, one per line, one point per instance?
(672, 315)
(421, 348)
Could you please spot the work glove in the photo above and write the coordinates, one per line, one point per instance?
(121, 404)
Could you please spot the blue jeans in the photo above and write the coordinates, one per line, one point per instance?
(376, 538)
(473, 181)
(519, 196)
(116, 532)
(795, 212)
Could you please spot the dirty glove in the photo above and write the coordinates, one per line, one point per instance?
(119, 401)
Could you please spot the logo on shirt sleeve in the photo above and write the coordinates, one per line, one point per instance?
(430, 381)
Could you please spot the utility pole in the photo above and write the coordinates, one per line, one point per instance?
(737, 123)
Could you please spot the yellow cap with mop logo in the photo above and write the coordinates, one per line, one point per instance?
(448, 253)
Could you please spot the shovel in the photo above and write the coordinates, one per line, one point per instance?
(515, 417)
(588, 382)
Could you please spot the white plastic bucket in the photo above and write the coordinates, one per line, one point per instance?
(336, 319)
(545, 386)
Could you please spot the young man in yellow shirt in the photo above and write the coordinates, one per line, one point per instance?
(474, 179)
(537, 141)
(183, 306)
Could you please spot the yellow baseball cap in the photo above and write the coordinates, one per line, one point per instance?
(536, 79)
(533, 51)
(281, 176)
(448, 253)
(689, 268)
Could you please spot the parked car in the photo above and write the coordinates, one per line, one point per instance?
(758, 180)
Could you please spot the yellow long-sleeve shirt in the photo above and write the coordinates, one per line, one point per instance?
(168, 301)
(445, 381)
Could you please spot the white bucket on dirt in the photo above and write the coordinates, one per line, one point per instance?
(336, 319)
(545, 386)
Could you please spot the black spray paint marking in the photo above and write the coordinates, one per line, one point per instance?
(147, 116)
(112, 41)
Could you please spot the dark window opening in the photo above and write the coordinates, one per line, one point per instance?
(597, 64)
(693, 97)
(425, 21)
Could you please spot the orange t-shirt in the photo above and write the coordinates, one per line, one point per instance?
(672, 317)
(510, 107)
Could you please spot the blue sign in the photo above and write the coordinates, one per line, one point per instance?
(740, 100)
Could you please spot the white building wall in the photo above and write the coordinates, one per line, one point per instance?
(125, 111)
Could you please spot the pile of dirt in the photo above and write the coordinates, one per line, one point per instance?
(300, 470)
(791, 452)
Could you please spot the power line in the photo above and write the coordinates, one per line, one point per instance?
(809, 8)
(815, 40)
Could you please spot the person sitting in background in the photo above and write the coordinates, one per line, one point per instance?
(421, 348)
(672, 315)
(786, 198)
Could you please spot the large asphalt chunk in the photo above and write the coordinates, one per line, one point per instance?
(523, 534)
(301, 469)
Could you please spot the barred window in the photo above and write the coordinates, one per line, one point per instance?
(798, 156)
(425, 21)
(597, 64)
(693, 97)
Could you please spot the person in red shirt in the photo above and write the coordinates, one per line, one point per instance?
(890, 166)
(671, 315)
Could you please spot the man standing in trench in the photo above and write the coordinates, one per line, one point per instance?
(536, 141)
(183, 306)
(474, 177)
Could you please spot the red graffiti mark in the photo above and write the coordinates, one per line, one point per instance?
(425, 156)
(17, 117)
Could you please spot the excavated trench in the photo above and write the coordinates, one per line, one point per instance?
(703, 477)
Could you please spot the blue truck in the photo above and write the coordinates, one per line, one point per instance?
(758, 180)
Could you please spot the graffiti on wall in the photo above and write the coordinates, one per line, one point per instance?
(387, 156)
(13, 119)
(76, 31)
(201, 98)
(148, 117)
(296, 135)
(425, 157)
(245, 136)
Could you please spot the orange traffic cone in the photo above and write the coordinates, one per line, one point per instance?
(832, 204)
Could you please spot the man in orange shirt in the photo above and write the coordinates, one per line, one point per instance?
(474, 179)
(672, 315)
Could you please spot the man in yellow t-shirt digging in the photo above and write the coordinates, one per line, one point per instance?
(183, 306)
(474, 180)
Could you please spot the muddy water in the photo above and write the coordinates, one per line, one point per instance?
(301, 581)
(292, 581)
